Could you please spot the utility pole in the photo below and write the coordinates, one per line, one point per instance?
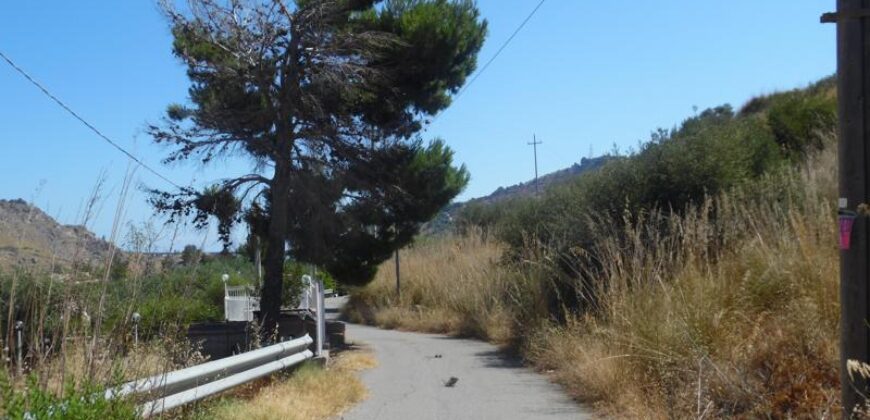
(853, 86)
(259, 263)
(398, 278)
(534, 145)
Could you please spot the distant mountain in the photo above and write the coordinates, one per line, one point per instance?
(29, 237)
(444, 220)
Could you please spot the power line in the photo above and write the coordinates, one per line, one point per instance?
(497, 53)
(149, 169)
(503, 46)
(83, 121)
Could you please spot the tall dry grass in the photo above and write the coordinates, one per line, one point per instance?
(727, 309)
(729, 315)
(453, 285)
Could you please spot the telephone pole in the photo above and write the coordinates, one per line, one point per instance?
(398, 278)
(853, 86)
(534, 145)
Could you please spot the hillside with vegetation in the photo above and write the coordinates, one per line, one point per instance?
(694, 277)
(545, 182)
(446, 220)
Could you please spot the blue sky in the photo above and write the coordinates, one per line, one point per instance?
(583, 75)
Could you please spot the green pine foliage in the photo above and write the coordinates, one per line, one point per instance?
(332, 96)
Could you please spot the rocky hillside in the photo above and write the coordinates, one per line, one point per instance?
(29, 237)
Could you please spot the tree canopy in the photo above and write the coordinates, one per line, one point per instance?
(327, 99)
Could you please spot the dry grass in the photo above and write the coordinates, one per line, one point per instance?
(452, 286)
(730, 311)
(309, 393)
(110, 366)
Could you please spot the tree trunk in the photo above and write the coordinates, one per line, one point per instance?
(273, 263)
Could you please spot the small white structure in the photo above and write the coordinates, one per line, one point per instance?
(306, 298)
(239, 305)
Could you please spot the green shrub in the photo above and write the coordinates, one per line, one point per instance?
(481, 216)
(798, 119)
(175, 297)
(187, 294)
(293, 272)
(712, 152)
(708, 154)
(34, 402)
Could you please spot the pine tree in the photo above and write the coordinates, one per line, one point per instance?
(327, 97)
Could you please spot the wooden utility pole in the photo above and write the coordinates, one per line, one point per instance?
(535, 144)
(398, 278)
(259, 263)
(853, 58)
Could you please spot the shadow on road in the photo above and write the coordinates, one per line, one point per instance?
(500, 359)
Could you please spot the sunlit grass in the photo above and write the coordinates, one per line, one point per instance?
(310, 392)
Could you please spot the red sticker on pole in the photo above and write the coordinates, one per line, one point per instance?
(847, 220)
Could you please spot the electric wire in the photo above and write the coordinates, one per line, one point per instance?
(502, 48)
(75, 115)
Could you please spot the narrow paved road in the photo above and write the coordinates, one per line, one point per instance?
(411, 381)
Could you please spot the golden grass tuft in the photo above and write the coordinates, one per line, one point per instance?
(310, 392)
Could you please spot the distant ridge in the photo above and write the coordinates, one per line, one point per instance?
(29, 237)
(444, 220)
(527, 189)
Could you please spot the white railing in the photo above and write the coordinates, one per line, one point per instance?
(239, 305)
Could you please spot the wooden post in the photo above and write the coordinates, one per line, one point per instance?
(259, 262)
(19, 347)
(398, 278)
(853, 55)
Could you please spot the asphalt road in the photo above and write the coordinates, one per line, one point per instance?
(424, 376)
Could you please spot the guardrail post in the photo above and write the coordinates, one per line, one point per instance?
(321, 318)
(225, 278)
(136, 318)
(19, 347)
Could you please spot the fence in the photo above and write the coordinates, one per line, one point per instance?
(239, 305)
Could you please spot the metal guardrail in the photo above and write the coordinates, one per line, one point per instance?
(211, 388)
(178, 380)
(183, 386)
(174, 389)
(180, 387)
